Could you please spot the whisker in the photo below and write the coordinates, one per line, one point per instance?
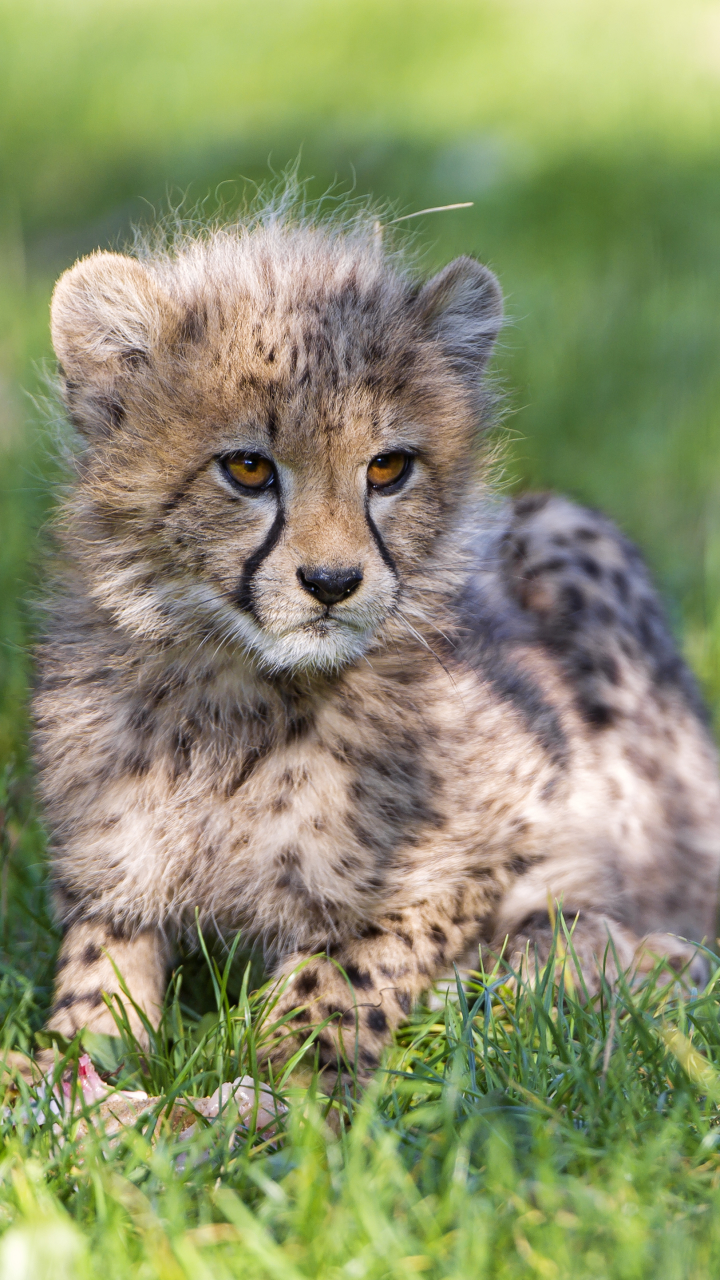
(423, 641)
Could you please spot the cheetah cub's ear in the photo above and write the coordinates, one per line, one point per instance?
(108, 316)
(462, 308)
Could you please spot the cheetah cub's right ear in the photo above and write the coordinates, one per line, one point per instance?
(109, 316)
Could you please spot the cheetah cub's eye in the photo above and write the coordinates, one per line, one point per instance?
(388, 469)
(250, 470)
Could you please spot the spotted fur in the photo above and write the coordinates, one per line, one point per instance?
(492, 717)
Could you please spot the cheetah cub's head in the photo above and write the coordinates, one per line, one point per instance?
(277, 430)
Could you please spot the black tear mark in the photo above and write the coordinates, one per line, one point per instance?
(377, 538)
(244, 596)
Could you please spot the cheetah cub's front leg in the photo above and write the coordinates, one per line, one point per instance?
(92, 956)
(366, 986)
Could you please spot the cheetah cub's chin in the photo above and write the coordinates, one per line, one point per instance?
(306, 676)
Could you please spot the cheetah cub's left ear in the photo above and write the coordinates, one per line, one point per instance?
(462, 307)
(108, 316)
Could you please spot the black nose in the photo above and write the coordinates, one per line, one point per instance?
(330, 585)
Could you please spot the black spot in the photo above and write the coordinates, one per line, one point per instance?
(621, 584)
(358, 977)
(193, 325)
(180, 493)
(530, 503)
(306, 983)
(368, 1060)
(91, 954)
(603, 614)
(135, 357)
(597, 714)
(377, 1021)
(247, 768)
(573, 599)
(553, 565)
(136, 764)
(112, 410)
(541, 719)
(65, 1002)
(327, 1046)
(535, 921)
(331, 1011)
(590, 566)
(298, 727)
(184, 740)
(63, 890)
(404, 1002)
(289, 861)
(519, 864)
(371, 931)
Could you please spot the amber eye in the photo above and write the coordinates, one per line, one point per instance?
(387, 469)
(251, 470)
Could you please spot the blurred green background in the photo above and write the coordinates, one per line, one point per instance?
(587, 133)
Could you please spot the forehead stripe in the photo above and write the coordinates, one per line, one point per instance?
(244, 596)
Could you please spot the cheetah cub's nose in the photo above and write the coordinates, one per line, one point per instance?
(330, 585)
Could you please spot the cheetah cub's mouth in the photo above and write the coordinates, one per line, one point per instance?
(278, 428)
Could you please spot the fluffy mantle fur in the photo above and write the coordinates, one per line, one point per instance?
(491, 717)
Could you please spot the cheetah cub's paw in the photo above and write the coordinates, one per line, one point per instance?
(344, 1007)
(601, 946)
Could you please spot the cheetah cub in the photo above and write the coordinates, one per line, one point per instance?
(307, 676)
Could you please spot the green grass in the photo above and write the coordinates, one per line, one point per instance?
(513, 1137)
(511, 1133)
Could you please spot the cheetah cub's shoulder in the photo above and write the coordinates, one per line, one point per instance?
(306, 676)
